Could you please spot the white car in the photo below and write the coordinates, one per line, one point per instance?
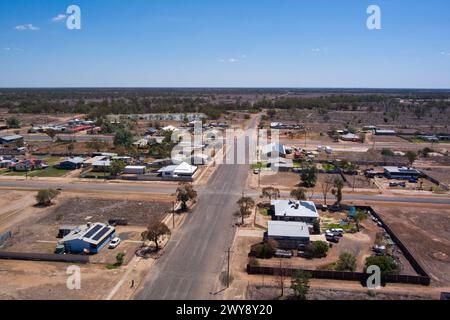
(114, 243)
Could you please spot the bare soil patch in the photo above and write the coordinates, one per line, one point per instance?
(426, 233)
(81, 210)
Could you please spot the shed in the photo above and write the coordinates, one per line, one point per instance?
(134, 170)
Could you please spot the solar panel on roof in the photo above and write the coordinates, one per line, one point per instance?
(92, 231)
(101, 233)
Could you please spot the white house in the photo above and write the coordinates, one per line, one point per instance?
(288, 235)
(178, 170)
(289, 210)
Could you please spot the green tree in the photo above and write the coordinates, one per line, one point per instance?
(246, 204)
(346, 262)
(309, 176)
(271, 193)
(185, 192)
(300, 284)
(120, 257)
(299, 194)
(412, 157)
(44, 197)
(117, 167)
(387, 264)
(155, 230)
(124, 138)
(13, 122)
(265, 250)
(316, 226)
(337, 191)
(359, 217)
(317, 249)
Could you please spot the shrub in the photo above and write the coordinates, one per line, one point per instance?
(265, 250)
(346, 262)
(387, 264)
(44, 197)
(317, 249)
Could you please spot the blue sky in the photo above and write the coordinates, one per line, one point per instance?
(245, 43)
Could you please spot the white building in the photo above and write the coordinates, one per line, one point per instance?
(289, 210)
(178, 170)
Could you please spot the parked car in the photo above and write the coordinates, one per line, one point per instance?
(332, 238)
(393, 184)
(283, 254)
(114, 243)
(338, 232)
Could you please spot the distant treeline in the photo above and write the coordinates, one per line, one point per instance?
(212, 102)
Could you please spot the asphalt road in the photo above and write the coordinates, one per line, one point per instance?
(195, 255)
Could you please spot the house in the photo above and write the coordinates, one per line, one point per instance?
(401, 173)
(281, 164)
(276, 125)
(151, 131)
(6, 162)
(141, 143)
(443, 136)
(382, 132)
(101, 165)
(88, 239)
(273, 150)
(29, 165)
(125, 159)
(351, 137)
(430, 138)
(369, 128)
(135, 170)
(71, 163)
(288, 235)
(104, 154)
(181, 170)
(160, 163)
(289, 210)
(11, 139)
(169, 128)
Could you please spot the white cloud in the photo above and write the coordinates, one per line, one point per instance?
(445, 53)
(11, 49)
(233, 60)
(29, 26)
(316, 50)
(59, 18)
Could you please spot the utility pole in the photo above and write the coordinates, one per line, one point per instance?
(228, 266)
(173, 215)
(306, 133)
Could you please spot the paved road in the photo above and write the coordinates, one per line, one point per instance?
(164, 189)
(194, 257)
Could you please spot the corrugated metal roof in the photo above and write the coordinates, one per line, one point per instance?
(288, 229)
